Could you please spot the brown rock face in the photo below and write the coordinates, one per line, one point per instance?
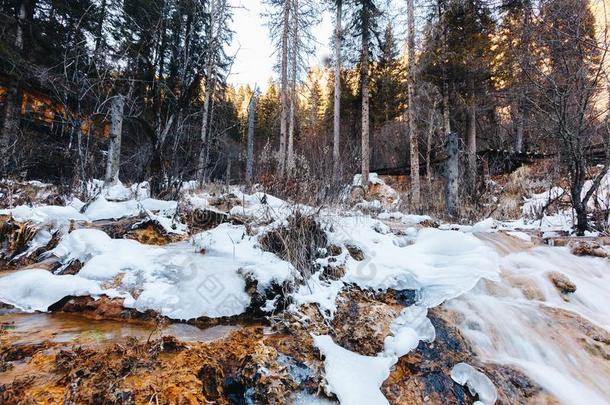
(562, 282)
(245, 367)
(423, 376)
(361, 323)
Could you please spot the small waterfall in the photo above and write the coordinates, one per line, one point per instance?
(561, 340)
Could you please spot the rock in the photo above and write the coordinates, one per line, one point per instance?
(101, 308)
(200, 219)
(423, 376)
(355, 252)
(588, 248)
(333, 250)
(333, 272)
(561, 282)
(528, 287)
(361, 323)
(428, 223)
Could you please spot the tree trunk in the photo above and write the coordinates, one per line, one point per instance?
(228, 174)
(429, 146)
(284, 90)
(337, 95)
(250, 142)
(581, 219)
(114, 148)
(364, 77)
(519, 128)
(452, 172)
(472, 146)
(217, 21)
(446, 111)
(10, 126)
(20, 25)
(202, 165)
(413, 141)
(293, 85)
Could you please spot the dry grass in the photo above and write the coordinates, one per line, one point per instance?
(297, 242)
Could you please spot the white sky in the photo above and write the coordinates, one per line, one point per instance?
(255, 55)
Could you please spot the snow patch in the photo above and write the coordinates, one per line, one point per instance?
(354, 378)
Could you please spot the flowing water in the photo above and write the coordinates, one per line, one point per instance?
(560, 340)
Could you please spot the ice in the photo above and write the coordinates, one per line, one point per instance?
(303, 398)
(477, 382)
(411, 327)
(354, 378)
(36, 289)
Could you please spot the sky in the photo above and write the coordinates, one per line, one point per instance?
(254, 54)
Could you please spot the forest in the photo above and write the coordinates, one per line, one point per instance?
(412, 209)
(500, 76)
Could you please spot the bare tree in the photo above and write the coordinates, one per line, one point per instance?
(284, 96)
(218, 24)
(574, 78)
(294, 56)
(114, 147)
(365, 23)
(412, 127)
(10, 126)
(250, 140)
(337, 92)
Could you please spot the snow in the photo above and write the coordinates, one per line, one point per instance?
(82, 244)
(48, 215)
(177, 280)
(321, 292)
(206, 275)
(441, 264)
(102, 208)
(35, 289)
(520, 235)
(373, 179)
(486, 225)
(118, 191)
(532, 207)
(354, 378)
(601, 197)
(477, 382)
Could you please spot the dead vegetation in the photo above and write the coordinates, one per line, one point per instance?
(299, 241)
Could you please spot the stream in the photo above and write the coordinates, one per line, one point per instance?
(559, 340)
